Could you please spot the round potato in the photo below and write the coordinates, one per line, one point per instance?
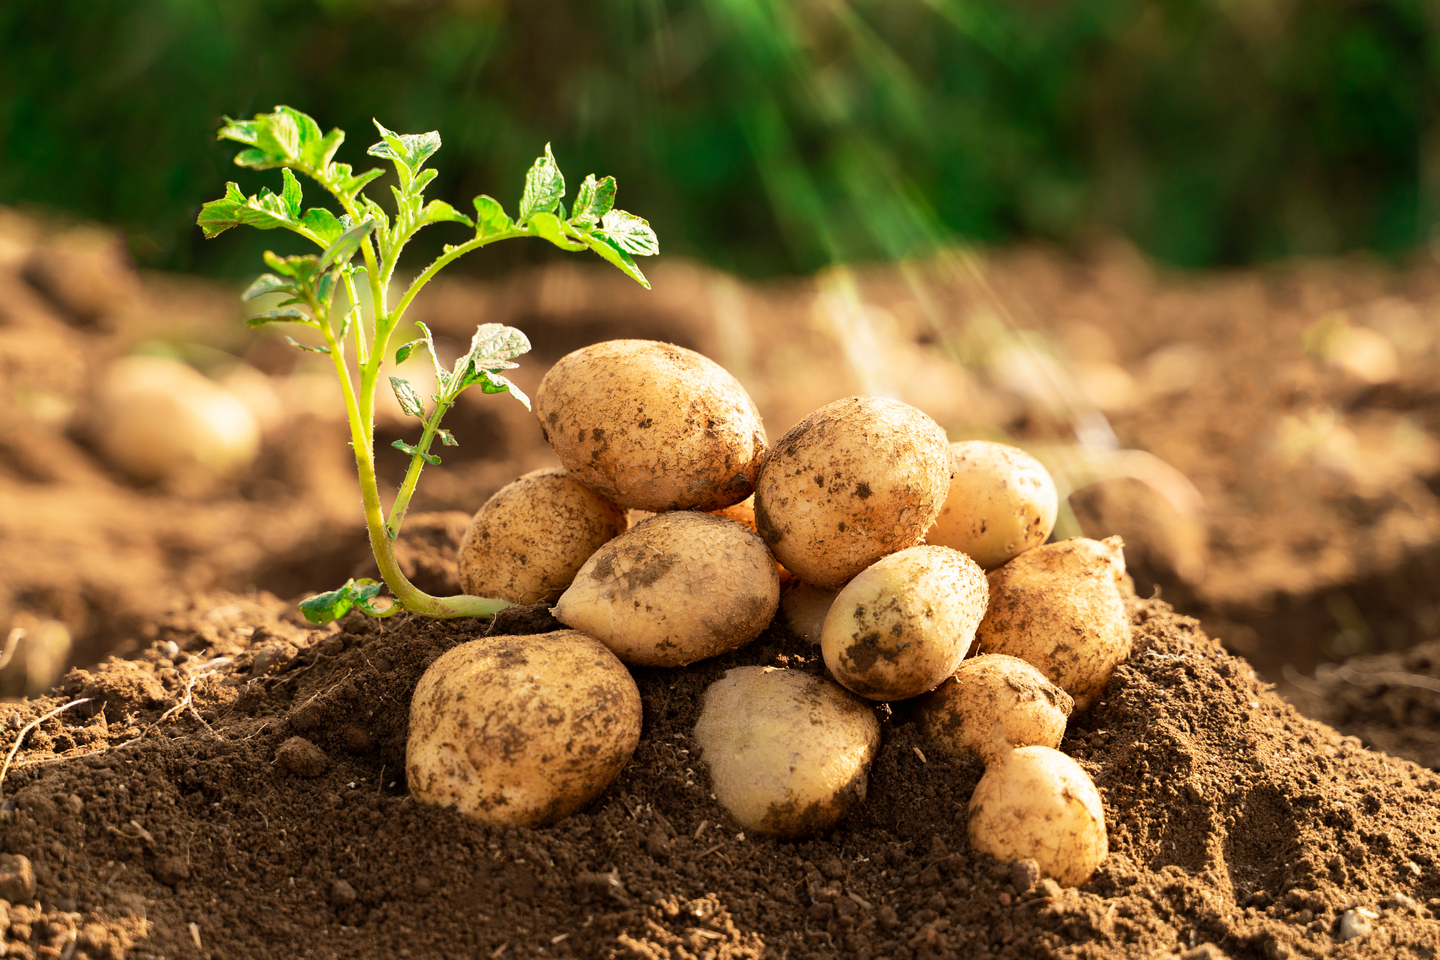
(992, 704)
(1002, 502)
(788, 752)
(805, 607)
(677, 588)
(652, 426)
(1037, 804)
(904, 623)
(1060, 609)
(855, 480)
(529, 540)
(521, 730)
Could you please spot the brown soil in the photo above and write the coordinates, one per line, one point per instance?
(174, 813)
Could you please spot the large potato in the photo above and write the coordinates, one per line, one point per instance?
(521, 730)
(788, 752)
(1002, 502)
(676, 588)
(529, 540)
(1059, 608)
(652, 426)
(991, 704)
(904, 623)
(855, 480)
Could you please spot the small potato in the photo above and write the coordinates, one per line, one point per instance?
(788, 752)
(1002, 502)
(521, 730)
(652, 426)
(855, 480)
(677, 588)
(1036, 803)
(904, 623)
(994, 703)
(529, 540)
(805, 608)
(1059, 608)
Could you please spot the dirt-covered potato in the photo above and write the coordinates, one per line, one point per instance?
(904, 623)
(1002, 502)
(677, 588)
(1059, 608)
(1037, 804)
(805, 607)
(652, 426)
(991, 704)
(788, 752)
(529, 540)
(855, 480)
(521, 730)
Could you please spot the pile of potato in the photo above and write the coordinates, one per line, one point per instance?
(900, 552)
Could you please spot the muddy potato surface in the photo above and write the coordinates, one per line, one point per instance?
(652, 426)
(677, 588)
(529, 540)
(1002, 502)
(992, 703)
(788, 752)
(904, 623)
(1059, 608)
(855, 480)
(521, 730)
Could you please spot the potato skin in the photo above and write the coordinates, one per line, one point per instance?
(677, 588)
(855, 480)
(1059, 608)
(529, 540)
(652, 426)
(521, 730)
(1002, 502)
(1036, 803)
(904, 623)
(788, 752)
(993, 703)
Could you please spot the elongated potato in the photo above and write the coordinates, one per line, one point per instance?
(788, 752)
(677, 588)
(529, 540)
(994, 703)
(652, 426)
(521, 730)
(1001, 503)
(1059, 608)
(855, 480)
(904, 623)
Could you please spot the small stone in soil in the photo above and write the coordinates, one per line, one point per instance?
(342, 894)
(171, 870)
(1024, 874)
(301, 758)
(17, 878)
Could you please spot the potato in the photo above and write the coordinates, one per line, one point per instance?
(904, 623)
(805, 608)
(855, 480)
(652, 426)
(1036, 803)
(788, 752)
(521, 730)
(1002, 502)
(529, 540)
(991, 704)
(1059, 608)
(677, 588)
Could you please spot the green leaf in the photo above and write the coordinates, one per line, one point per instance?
(325, 607)
(490, 217)
(305, 346)
(343, 247)
(284, 138)
(267, 283)
(414, 451)
(406, 349)
(547, 225)
(447, 438)
(264, 211)
(593, 201)
(495, 383)
(544, 186)
(300, 268)
(407, 151)
(410, 402)
(350, 184)
(441, 377)
(491, 350)
(292, 194)
(604, 246)
(438, 210)
(283, 315)
(630, 233)
(324, 225)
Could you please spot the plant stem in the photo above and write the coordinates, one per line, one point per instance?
(412, 475)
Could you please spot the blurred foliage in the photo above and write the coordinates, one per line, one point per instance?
(768, 136)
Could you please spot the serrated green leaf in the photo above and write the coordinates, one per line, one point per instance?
(407, 151)
(324, 225)
(343, 247)
(267, 283)
(547, 225)
(325, 607)
(447, 438)
(414, 451)
(283, 138)
(437, 211)
(630, 233)
(282, 315)
(305, 346)
(594, 199)
(350, 184)
(291, 195)
(410, 403)
(495, 383)
(490, 217)
(602, 245)
(299, 267)
(544, 186)
(264, 211)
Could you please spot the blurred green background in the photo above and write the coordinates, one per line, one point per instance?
(766, 137)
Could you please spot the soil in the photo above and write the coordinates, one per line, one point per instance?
(232, 783)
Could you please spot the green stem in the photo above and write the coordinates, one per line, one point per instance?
(412, 475)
